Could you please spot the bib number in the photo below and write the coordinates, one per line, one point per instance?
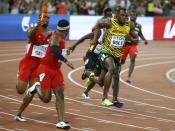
(41, 76)
(117, 42)
(39, 51)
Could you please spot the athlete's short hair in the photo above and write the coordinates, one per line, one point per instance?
(63, 24)
(107, 9)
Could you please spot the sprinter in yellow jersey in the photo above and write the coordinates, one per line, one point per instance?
(117, 32)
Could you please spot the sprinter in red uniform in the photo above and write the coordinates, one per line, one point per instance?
(131, 47)
(50, 77)
(38, 39)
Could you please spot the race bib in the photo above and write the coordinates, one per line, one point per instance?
(98, 49)
(39, 51)
(117, 42)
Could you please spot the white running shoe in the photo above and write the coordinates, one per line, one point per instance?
(63, 125)
(19, 118)
(86, 96)
(31, 90)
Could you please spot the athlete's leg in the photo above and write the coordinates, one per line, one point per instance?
(110, 65)
(26, 101)
(133, 54)
(131, 67)
(100, 80)
(115, 86)
(115, 83)
(21, 86)
(42, 88)
(59, 94)
(60, 107)
(45, 94)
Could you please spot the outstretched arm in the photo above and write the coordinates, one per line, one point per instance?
(43, 13)
(55, 42)
(142, 36)
(104, 23)
(87, 36)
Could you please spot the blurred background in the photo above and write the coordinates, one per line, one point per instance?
(164, 8)
(17, 16)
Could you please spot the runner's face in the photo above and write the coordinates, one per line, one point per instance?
(46, 21)
(133, 16)
(108, 14)
(122, 17)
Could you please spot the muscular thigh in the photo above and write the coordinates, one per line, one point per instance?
(26, 69)
(58, 80)
(133, 51)
(45, 76)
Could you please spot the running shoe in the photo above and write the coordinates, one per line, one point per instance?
(32, 89)
(106, 103)
(63, 125)
(20, 118)
(92, 74)
(128, 81)
(85, 95)
(118, 104)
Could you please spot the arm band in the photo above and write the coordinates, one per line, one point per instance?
(57, 53)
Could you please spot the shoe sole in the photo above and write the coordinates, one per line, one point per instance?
(65, 128)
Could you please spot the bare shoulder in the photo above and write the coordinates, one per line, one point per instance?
(55, 39)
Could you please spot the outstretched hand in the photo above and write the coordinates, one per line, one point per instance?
(71, 48)
(146, 42)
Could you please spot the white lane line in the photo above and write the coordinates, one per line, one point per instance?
(87, 117)
(12, 96)
(37, 113)
(79, 118)
(5, 61)
(139, 118)
(146, 65)
(168, 75)
(9, 89)
(117, 115)
(38, 121)
(94, 112)
(19, 129)
(138, 102)
(5, 129)
(17, 50)
(157, 100)
(13, 102)
(123, 111)
(89, 129)
(71, 109)
(152, 112)
(11, 54)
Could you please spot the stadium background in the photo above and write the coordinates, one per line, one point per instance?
(149, 99)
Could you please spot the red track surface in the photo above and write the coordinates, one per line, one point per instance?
(149, 101)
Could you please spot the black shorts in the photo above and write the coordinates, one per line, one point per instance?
(103, 56)
(92, 61)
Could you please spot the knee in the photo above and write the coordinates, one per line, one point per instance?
(46, 99)
(132, 60)
(20, 89)
(111, 71)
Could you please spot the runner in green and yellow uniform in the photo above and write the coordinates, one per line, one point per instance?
(117, 30)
